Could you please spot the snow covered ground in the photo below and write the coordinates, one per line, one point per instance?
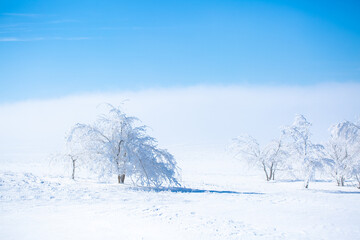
(219, 199)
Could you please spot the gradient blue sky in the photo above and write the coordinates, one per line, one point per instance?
(56, 48)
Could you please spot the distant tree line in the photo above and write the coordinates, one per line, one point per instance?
(295, 152)
(116, 145)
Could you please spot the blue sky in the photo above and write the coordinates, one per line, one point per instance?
(56, 48)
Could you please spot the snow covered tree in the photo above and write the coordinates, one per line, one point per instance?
(343, 149)
(268, 159)
(356, 172)
(336, 152)
(72, 157)
(356, 159)
(116, 146)
(306, 156)
(75, 152)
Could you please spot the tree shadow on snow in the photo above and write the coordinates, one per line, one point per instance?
(287, 180)
(301, 180)
(193, 190)
(339, 192)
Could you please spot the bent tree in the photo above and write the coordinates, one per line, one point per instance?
(117, 146)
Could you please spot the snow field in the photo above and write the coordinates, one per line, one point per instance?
(219, 200)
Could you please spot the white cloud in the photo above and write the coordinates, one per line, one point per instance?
(9, 39)
(70, 38)
(16, 39)
(63, 21)
(195, 115)
(22, 14)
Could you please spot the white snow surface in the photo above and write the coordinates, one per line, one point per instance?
(221, 199)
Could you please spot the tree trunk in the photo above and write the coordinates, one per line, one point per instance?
(121, 178)
(271, 171)
(340, 181)
(73, 173)
(266, 173)
(306, 184)
(73, 170)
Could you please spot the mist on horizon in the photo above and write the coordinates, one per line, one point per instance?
(198, 116)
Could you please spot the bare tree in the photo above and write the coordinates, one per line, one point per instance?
(269, 158)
